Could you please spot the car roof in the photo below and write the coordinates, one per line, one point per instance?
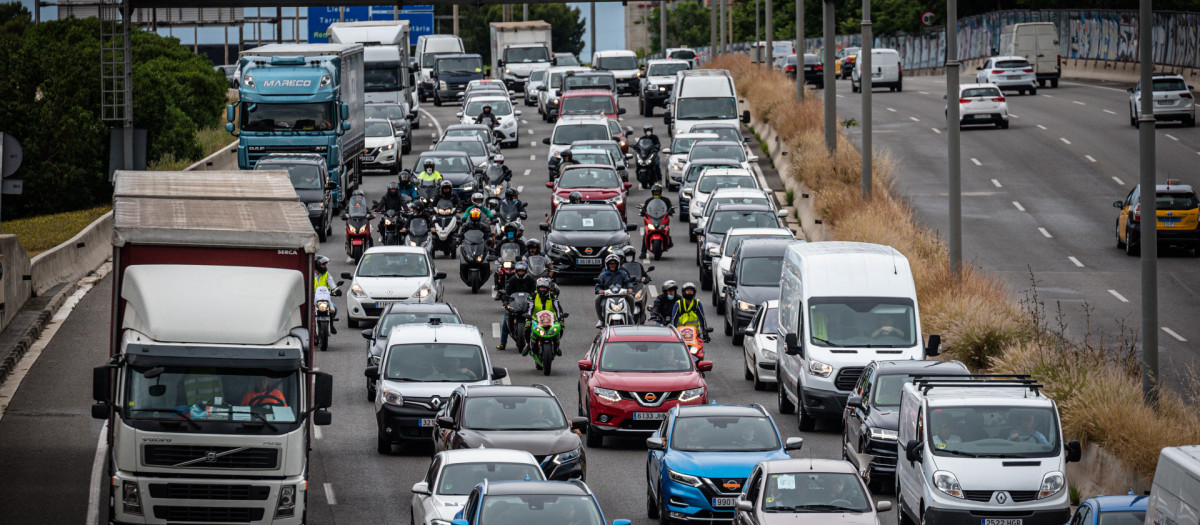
(593, 73)
(396, 249)
(1121, 502)
(586, 205)
(765, 245)
(668, 61)
(570, 167)
(910, 366)
(712, 125)
(370, 120)
(486, 455)
(736, 192)
(742, 207)
(506, 390)
(438, 308)
(563, 488)
(444, 153)
(720, 410)
(460, 138)
(696, 136)
(457, 55)
(585, 150)
(616, 52)
(760, 232)
(594, 142)
(1009, 57)
(974, 86)
(1172, 187)
(582, 120)
(839, 466)
(588, 93)
(721, 143)
(441, 333)
(487, 97)
(738, 172)
(642, 333)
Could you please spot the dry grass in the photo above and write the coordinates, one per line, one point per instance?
(1096, 383)
(211, 140)
(38, 234)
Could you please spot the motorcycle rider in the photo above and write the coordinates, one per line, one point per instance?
(656, 192)
(648, 132)
(575, 198)
(513, 232)
(664, 304)
(392, 201)
(321, 278)
(498, 160)
(446, 191)
(407, 187)
(474, 221)
(545, 299)
(689, 311)
(477, 204)
(430, 173)
(510, 197)
(487, 117)
(520, 282)
(565, 158)
(612, 275)
(533, 248)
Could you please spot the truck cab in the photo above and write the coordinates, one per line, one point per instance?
(452, 73)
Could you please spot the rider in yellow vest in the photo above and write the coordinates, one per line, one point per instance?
(321, 278)
(429, 173)
(689, 311)
(545, 300)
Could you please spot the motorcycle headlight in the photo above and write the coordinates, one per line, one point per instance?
(316, 206)
(507, 264)
(393, 398)
(638, 295)
(683, 479)
(422, 292)
(617, 306)
(947, 483)
(1052, 483)
(412, 243)
(650, 227)
(442, 85)
(607, 394)
(883, 434)
(322, 306)
(357, 291)
(746, 307)
(387, 222)
(691, 394)
(479, 259)
(662, 88)
(567, 457)
(820, 369)
(496, 190)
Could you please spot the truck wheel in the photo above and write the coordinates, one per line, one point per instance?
(1054, 82)
(322, 233)
(1042, 82)
(804, 422)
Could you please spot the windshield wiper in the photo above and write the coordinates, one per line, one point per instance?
(182, 415)
(819, 507)
(264, 421)
(826, 342)
(957, 452)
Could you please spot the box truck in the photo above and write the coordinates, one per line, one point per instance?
(1038, 43)
(518, 49)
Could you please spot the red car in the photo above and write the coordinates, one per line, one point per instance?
(590, 103)
(595, 182)
(632, 375)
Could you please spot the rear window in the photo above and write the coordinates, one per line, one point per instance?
(1169, 84)
(588, 105)
(1176, 201)
(683, 55)
(1012, 64)
(980, 92)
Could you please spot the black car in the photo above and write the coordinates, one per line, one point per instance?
(754, 277)
(455, 166)
(872, 415)
(814, 71)
(579, 236)
(400, 116)
(397, 314)
(589, 80)
(728, 217)
(310, 178)
(525, 418)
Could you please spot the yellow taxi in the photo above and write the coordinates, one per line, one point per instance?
(843, 63)
(1178, 215)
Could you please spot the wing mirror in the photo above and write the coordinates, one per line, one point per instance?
(368, 334)
(655, 443)
(883, 506)
(730, 279)
(746, 116)
(935, 343)
(445, 422)
(704, 366)
(793, 344)
(544, 227)
(745, 506)
(421, 488)
(585, 365)
(752, 158)
(347, 275)
(854, 401)
(793, 443)
(621, 111)
(630, 227)
(546, 141)
(1074, 451)
(459, 114)
(912, 451)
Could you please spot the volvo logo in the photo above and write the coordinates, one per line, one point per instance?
(210, 457)
(435, 402)
(650, 397)
(732, 485)
(1002, 497)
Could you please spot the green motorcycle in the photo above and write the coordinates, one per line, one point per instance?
(545, 331)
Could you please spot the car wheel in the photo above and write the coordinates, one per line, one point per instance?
(782, 402)
(370, 391)
(901, 517)
(759, 384)
(1131, 247)
(1189, 122)
(406, 148)
(1003, 124)
(351, 322)
(717, 303)
(1054, 82)
(382, 444)
(804, 421)
(737, 337)
(705, 279)
(651, 507)
(322, 233)
(728, 327)
(664, 516)
(594, 438)
(1117, 229)
(747, 366)
(1041, 83)
(1033, 91)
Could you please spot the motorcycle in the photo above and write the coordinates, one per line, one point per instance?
(323, 299)
(390, 236)
(474, 265)
(640, 279)
(508, 211)
(657, 217)
(516, 306)
(544, 335)
(617, 306)
(510, 252)
(691, 338)
(494, 182)
(358, 229)
(445, 223)
(427, 193)
(418, 233)
(648, 171)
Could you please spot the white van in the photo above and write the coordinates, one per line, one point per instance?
(885, 71)
(1175, 496)
(623, 64)
(1037, 42)
(428, 47)
(841, 306)
(983, 449)
(702, 96)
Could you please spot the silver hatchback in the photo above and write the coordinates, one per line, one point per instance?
(1173, 100)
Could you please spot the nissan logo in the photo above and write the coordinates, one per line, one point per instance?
(732, 485)
(587, 251)
(649, 397)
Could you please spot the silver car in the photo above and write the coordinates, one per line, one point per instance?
(537, 79)
(1173, 100)
(1013, 73)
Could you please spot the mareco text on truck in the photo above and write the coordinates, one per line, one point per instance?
(209, 385)
(303, 98)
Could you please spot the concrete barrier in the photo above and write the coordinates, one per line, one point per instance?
(223, 159)
(15, 286)
(1074, 69)
(71, 260)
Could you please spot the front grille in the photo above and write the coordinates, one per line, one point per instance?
(882, 448)
(640, 397)
(1023, 496)
(1017, 496)
(590, 251)
(978, 495)
(254, 156)
(847, 377)
(213, 492)
(210, 457)
(648, 425)
(208, 514)
(726, 485)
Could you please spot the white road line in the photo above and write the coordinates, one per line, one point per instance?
(1172, 137)
(939, 132)
(93, 513)
(530, 132)
(1078, 102)
(1119, 181)
(436, 124)
(976, 161)
(1045, 233)
(1048, 96)
(893, 110)
(523, 121)
(1018, 205)
(1076, 261)
(997, 183)
(496, 330)
(527, 172)
(1041, 126)
(1064, 139)
(922, 92)
(840, 96)
(1013, 116)
(533, 143)
(914, 119)
(1110, 112)
(1172, 333)
(1118, 296)
(317, 432)
(653, 290)
(329, 494)
(1089, 158)
(533, 157)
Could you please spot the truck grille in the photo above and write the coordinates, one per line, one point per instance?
(253, 154)
(847, 377)
(210, 457)
(212, 492)
(208, 514)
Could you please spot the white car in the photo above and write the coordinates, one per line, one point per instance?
(681, 144)
(383, 146)
(1173, 100)
(390, 274)
(537, 79)
(623, 64)
(710, 181)
(454, 473)
(724, 258)
(550, 96)
(982, 104)
(758, 346)
(1013, 73)
(509, 126)
(731, 195)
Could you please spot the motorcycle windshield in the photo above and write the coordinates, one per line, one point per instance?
(634, 270)
(357, 207)
(495, 174)
(538, 265)
(321, 294)
(656, 210)
(645, 145)
(519, 302)
(445, 207)
(509, 211)
(509, 252)
(418, 227)
(545, 318)
(427, 189)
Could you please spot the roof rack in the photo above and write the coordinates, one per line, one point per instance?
(925, 382)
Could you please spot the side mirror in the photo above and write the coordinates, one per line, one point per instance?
(229, 127)
(499, 63)
(655, 443)
(579, 423)
(541, 88)
(439, 276)
(546, 141)
(781, 213)
(322, 390)
(793, 344)
(345, 109)
(650, 269)
(422, 488)
(372, 372)
(883, 506)
(677, 180)
(445, 422)
(752, 158)
(550, 185)
(709, 330)
(621, 111)
(793, 443)
(493, 258)
(628, 156)
(331, 185)
(935, 342)
(749, 330)
(229, 112)
(1118, 204)
(745, 506)
(517, 113)
(1074, 451)
(630, 227)
(979, 68)
(102, 386)
(730, 279)
(628, 185)
(1130, 90)
(499, 372)
(544, 227)
(585, 365)
(746, 140)
(322, 418)
(347, 275)
(368, 334)
(101, 411)
(854, 402)
(697, 231)
(746, 116)
(704, 366)
(912, 451)
(459, 114)
(621, 522)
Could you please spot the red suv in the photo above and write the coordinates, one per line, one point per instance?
(632, 375)
(594, 182)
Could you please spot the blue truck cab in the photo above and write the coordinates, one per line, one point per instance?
(452, 73)
(302, 98)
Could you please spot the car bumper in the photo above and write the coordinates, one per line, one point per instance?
(617, 417)
(687, 503)
(739, 318)
(515, 83)
(766, 370)
(1169, 113)
(383, 160)
(369, 309)
(451, 94)
(984, 118)
(823, 403)
(655, 97)
(813, 78)
(1015, 84)
(937, 516)
(567, 265)
(403, 425)
(629, 85)
(1168, 236)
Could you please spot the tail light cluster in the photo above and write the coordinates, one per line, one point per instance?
(997, 99)
(1137, 213)
(899, 69)
(1028, 70)
(1185, 95)
(818, 67)
(790, 68)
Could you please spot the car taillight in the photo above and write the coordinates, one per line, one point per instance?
(899, 69)
(790, 68)
(1137, 213)
(997, 71)
(1185, 95)
(998, 99)
(1028, 70)
(1059, 63)
(964, 101)
(819, 67)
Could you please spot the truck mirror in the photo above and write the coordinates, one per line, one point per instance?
(372, 372)
(322, 418)
(229, 112)
(793, 344)
(345, 109)
(323, 390)
(229, 127)
(935, 342)
(102, 384)
(101, 411)
(746, 116)
(912, 451)
(345, 125)
(1074, 451)
(499, 63)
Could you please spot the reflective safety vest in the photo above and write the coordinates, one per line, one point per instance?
(540, 304)
(435, 176)
(687, 313)
(320, 280)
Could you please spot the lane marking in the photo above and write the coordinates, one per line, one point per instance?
(533, 143)
(527, 173)
(1172, 333)
(914, 119)
(520, 189)
(329, 494)
(1078, 102)
(533, 157)
(530, 131)
(1041, 126)
(317, 432)
(1119, 181)
(997, 183)
(496, 330)
(523, 121)
(1089, 157)
(1172, 137)
(840, 96)
(436, 124)
(1018, 205)
(976, 161)
(939, 132)
(1076, 261)
(1118, 296)
(1047, 96)
(1014, 116)
(653, 290)
(1064, 139)
(893, 110)
(1045, 233)
(93, 514)
(1110, 112)
(922, 92)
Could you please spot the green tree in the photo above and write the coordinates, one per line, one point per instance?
(688, 25)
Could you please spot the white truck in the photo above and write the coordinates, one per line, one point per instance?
(209, 391)
(1175, 495)
(518, 49)
(1038, 43)
(387, 67)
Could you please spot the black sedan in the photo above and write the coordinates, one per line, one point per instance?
(727, 217)
(455, 166)
(525, 418)
(395, 314)
(579, 236)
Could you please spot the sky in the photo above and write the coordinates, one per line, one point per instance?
(609, 15)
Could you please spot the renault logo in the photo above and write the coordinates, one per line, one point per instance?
(732, 485)
(650, 397)
(435, 402)
(1002, 497)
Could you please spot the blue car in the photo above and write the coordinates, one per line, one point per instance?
(700, 457)
(531, 502)
(1128, 509)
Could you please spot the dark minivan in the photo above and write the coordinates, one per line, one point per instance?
(451, 73)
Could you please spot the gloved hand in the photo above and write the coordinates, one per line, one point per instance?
(706, 338)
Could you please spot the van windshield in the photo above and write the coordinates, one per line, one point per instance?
(435, 362)
(862, 322)
(526, 55)
(706, 108)
(994, 431)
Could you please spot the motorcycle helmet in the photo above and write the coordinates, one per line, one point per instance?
(447, 185)
(566, 154)
(614, 260)
(322, 264)
(575, 197)
(475, 214)
(669, 288)
(498, 159)
(521, 268)
(543, 286)
(428, 165)
(648, 128)
(393, 188)
(487, 109)
(533, 247)
(511, 193)
(512, 230)
(477, 199)
(359, 193)
(689, 290)
(656, 190)
(405, 177)
(630, 253)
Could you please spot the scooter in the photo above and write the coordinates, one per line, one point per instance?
(510, 252)
(691, 338)
(617, 309)
(474, 265)
(640, 279)
(427, 193)
(390, 236)
(508, 211)
(657, 217)
(648, 172)
(323, 299)
(445, 223)
(418, 233)
(494, 182)
(545, 332)
(516, 306)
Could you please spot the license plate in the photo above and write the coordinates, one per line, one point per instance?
(1014, 77)
(587, 261)
(658, 416)
(1002, 521)
(381, 304)
(433, 423)
(1169, 222)
(368, 158)
(729, 502)
(1162, 102)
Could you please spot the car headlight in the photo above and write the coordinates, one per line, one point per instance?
(691, 394)
(560, 199)
(442, 85)
(607, 394)
(393, 398)
(884, 434)
(560, 248)
(389, 147)
(946, 482)
(615, 200)
(676, 166)
(507, 71)
(818, 368)
(746, 307)
(567, 457)
(770, 355)
(687, 194)
(357, 291)
(248, 81)
(424, 291)
(510, 123)
(326, 80)
(316, 206)
(1052, 483)
(470, 186)
(683, 479)
(554, 100)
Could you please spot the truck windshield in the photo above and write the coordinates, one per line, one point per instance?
(382, 77)
(460, 66)
(616, 63)
(304, 176)
(212, 394)
(435, 362)
(429, 59)
(706, 108)
(526, 55)
(862, 322)
(994, 431)
(309, 116)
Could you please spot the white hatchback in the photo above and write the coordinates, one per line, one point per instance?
(1014, 73)
(982, 104)
(391, 274)
(759, 345)
(454, 473)
(502, 108)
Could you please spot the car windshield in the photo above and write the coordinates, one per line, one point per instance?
(1012, 64)
(382, 77)
(388, 111)
(538, 76)
(683, 54)
(458, 479)
(1170, 84)
(263, 116)
(446, 164)
(469, 132)
(435, 362)
(888, 389)
(611, 147)
(705, 150)
(379, 129)
(556, 79)
(499, 107)
(823, 492)
(706, 108)
(566, 59)
(589, 105)
(710, 206)
(645, 356)
(304, 176)
(993, 431)
(590, 81)
(565, 135)
(212, 394)
(724, 434)
(592, 157)
(695, 170)
(667, 69)
(513, 413)
(1175, 201)
(591, 220)
(770, 322)
(761, 271)
(980, 92)
(526, 55)
(722, 132)
(625, 62)
(589, 178)
(865, 322)
(460, 66)
(385, 264)
(525, 509)
(1122, 517)
(473, 148)
(392, 320)
(724, 221)
(711, 183)
(429, 59)
(683, 145)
